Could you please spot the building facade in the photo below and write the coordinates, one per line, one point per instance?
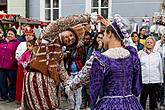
(49, 10)
(135, 10)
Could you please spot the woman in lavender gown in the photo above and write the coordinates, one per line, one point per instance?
(117, 71)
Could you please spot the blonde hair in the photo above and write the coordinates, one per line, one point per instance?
(152, 38)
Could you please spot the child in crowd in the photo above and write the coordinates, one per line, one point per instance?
(22, 63)
(26, 55)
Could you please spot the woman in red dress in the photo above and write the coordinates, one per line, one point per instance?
(29, 34)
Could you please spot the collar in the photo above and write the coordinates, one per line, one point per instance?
(7, 40)
(149, 51)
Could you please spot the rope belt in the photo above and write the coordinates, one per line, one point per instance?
(118, 96)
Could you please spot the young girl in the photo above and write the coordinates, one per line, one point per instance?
(22, 63)
(26, 55)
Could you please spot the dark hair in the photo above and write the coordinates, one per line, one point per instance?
(110, 28)
(31, 42)
(134, 33)
(141, 28)
(13, 30)
(88, 34)
(35, 38)
(144, 36)
(94, 43)
(99, 33)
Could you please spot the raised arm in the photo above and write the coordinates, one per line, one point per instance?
(83, 77)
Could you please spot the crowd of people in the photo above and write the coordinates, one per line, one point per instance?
(95, 69)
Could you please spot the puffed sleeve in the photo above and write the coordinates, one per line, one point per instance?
(137, 75)
(96, 80)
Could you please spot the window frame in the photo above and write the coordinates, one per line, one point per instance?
(89, 7)
(43, 8)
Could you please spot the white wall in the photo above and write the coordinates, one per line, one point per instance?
(34, 9)
(16, 7)
(71, 7)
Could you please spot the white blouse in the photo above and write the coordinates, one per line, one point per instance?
(20, 50)
(152, 70)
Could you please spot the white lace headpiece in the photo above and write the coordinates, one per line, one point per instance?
(121, 26)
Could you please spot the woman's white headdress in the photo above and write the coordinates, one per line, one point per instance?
(121, 26)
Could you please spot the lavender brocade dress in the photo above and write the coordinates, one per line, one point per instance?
(119, 79)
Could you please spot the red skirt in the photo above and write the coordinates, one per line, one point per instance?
(19, 83)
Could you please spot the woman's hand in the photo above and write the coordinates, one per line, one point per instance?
(101, 19)
(24, 64)
(100, 44)
(147, 50)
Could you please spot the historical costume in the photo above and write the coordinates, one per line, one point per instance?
(114, 76)
(20, 75)
(42, 81)
(22, 54)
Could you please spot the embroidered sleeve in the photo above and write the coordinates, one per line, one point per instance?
(137, 76)
(60, 25)
(96, 80)
(83, 77)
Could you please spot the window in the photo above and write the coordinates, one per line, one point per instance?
(100, 6)
(51, 10)
(3, 6)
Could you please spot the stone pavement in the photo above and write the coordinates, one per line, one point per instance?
(65, 105)
(11, 106)
(8, 106)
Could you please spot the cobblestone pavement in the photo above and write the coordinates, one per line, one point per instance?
(11, 106)
(65, 105)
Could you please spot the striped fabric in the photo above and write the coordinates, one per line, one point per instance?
(40, 92)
